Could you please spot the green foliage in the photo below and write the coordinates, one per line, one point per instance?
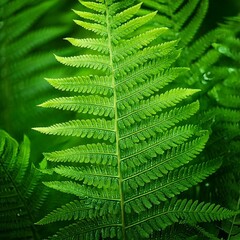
(214, 62)
(128, 153)
(139, 140)
(21, 192)
(26, 42)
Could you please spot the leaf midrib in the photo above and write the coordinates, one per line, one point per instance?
(112, 70)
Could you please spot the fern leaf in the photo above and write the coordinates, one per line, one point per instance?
(95, 62)
(20, 19)
(31, 41)
(153, 105)
(131, 45)
(98, 18)
(96, 105)
(131, 26)
(80, 209)
(98, 7)
(154, 84)
(139, 155)
(89, 229)
(131, 62)
(95, 27)
(104, 177)
(125, 15)
(191, 29)
(91, 153)
(171, 212)
(171, 185)
(99, 45)
(158, 124)
(83, 128)
(80, 190)
(93, 84)
(19, 184)
(144, 72)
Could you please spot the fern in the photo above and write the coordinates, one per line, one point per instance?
(21, 192)
(139, 147)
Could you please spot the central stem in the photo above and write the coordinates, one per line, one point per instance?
(121, 193)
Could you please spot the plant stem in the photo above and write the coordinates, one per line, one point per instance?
(121, 193)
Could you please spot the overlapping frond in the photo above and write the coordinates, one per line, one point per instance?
(171, 212)
(183, 18)
(19, 187)
(139, 143)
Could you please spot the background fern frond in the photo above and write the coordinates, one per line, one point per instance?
(21, 192)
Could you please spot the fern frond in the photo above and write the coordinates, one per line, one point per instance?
(90, 229)
(94, 128)
(139, 155)
(153, 105)
(190, 30)
(99, 44)
(19, 183)
(129, 46)
(98, 7)
(98, 18)
(90, 153)
(84, 84)
(151, 193)
(131, 26)
(186, 210)
(125, 15)
(100, 177)
(158, 124)
(79, 208)
(92, 61)
(80, 190)
(96, 105)
(19, 19)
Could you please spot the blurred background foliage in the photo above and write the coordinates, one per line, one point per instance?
(27, 45)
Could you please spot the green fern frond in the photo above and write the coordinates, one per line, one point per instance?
(73, 210)
(104, 177)
(99, 153)
(184, 210)
(99, 44)
(184, 231)
(19, 184)
(94, 128)
(177, 181)
(94, 229)
(158, 124)
(140, 154)
(96, 105)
